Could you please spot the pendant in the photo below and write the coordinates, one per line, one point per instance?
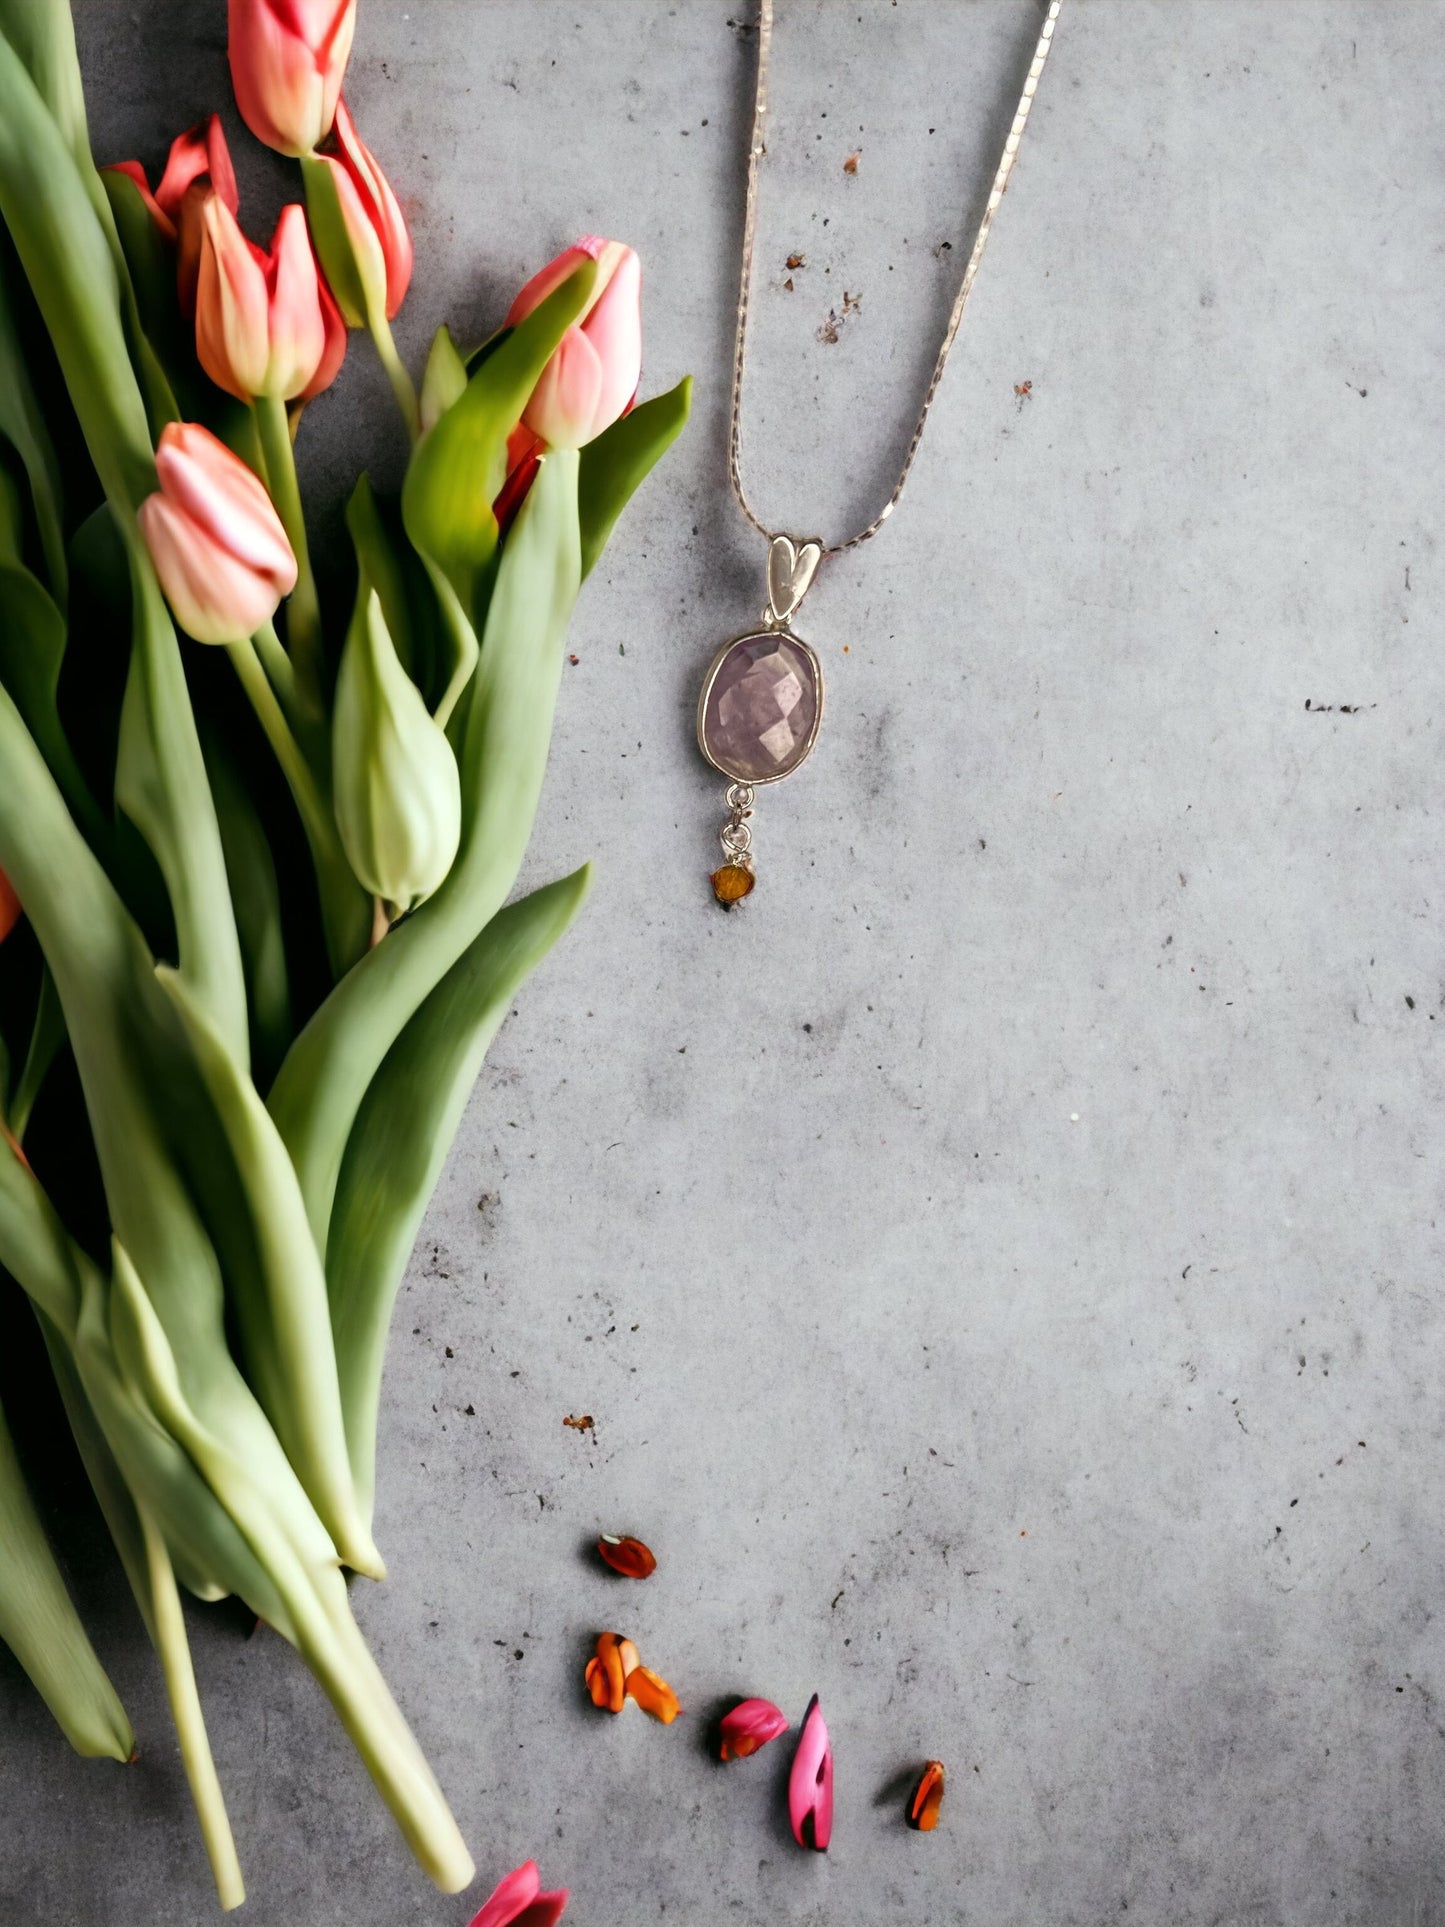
(760, 709)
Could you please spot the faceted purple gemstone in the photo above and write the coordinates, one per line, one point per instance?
(761, 708)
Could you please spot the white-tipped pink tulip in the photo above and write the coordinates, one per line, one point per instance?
(216, 540)
(288, 58)
(591, 379)
(518, 1901)
(810, 1783)
(261, 318)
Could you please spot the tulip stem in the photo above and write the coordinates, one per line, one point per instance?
(278, 666)
(303, 610)
(402, 385)
(345, 907)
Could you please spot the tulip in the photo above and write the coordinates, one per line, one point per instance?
(810, 1783)
(10, 910)
(518, 1901)
(607, 1674)
(591, 379)
(369, 263)
(287, 62)
(216, 541)
(653, 1694)
(748, 1727)
(398, 793)
(260, 325)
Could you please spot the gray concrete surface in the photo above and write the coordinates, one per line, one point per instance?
(1004, 1263)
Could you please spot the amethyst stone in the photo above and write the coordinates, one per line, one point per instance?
(760, 710)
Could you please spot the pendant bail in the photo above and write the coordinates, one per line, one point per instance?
(791, 569)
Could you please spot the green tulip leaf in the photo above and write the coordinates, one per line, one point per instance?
(445, 378)
(459, 466)
(617, 462)
(402, 1135)
(23, 425)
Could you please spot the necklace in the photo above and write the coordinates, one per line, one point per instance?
(761, 703)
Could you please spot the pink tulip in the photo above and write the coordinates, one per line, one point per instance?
(519, 1902)
(287, 62)
(260, 325)
(216, 541)
(749, 1727)
(593, 376)
(376, 229)
(810, 1783)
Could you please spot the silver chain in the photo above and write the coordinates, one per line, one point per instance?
(756, 150)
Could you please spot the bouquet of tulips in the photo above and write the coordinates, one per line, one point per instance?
(233, 1058)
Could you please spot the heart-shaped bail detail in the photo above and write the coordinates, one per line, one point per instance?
(791, 568)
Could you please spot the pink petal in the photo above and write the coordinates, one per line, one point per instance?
(232, 335)
(200, 153)
(614, 327)
(135, 172)
(550, 278)
(297, 326)
(810, 1783)
(750, 1726)
(511, 1897)
(564, 403)
(383, 211)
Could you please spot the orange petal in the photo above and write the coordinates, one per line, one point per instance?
(653, 1694)
(923, 1808)
(628, 1556)
(606, 1675)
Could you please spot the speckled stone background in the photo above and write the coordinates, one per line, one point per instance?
(1003, 1263)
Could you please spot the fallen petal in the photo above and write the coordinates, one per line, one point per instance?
(626, 1555)
(653, 1694)
(749, 1726)
(606, 1675)
(810, 1783)
(923, 1808)
(511, 1897)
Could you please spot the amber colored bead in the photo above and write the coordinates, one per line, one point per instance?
(732, 883)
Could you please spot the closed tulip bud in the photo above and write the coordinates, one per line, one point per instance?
(287, 62)
(591, 379)
(397, 791)
(260, 325)
(368, 256)
(216, 541)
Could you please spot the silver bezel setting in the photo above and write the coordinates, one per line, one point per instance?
(765, 634)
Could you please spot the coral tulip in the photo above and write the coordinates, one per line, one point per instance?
(591, 379)
(373, 273)
(748, 1727)
(288, 58)
(518, 1901)
(260, 324)
(216, 541)
(810, 1783)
